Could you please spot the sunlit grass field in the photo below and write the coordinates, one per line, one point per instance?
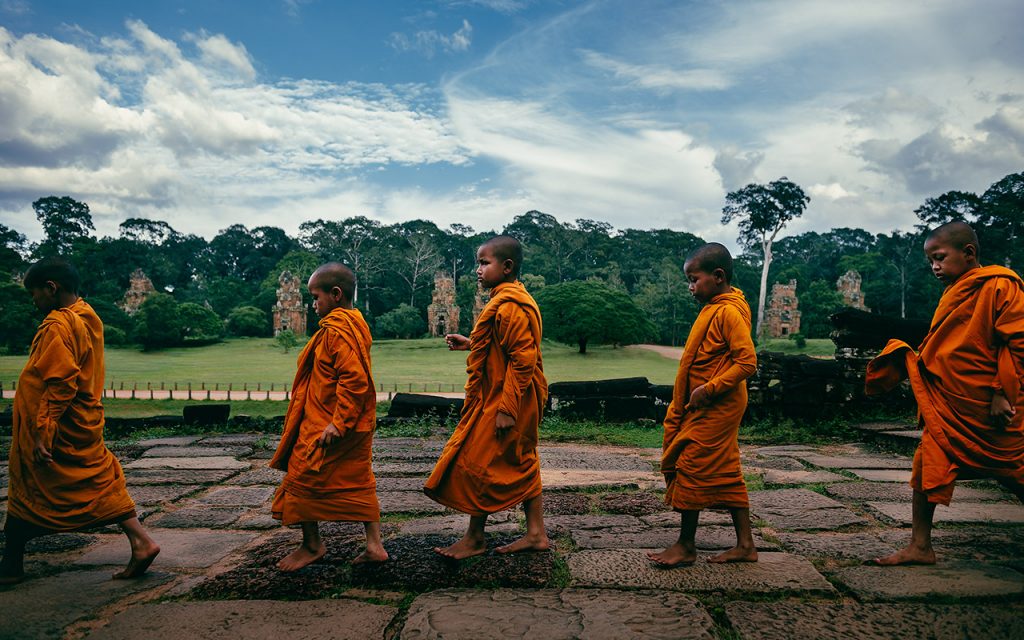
(425, 364)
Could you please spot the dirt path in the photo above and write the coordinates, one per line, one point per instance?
(674, 353)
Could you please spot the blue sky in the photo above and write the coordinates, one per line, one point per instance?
(642, 114)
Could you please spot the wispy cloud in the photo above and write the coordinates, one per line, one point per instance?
(656, 76)
(501, 6)
(428, 42)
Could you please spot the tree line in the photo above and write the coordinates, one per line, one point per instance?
(596, 284)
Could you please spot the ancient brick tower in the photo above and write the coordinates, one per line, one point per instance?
(290, 311)
(479, 302)
(848, 286)
(783, 315)
(443, 313)
(139, 288)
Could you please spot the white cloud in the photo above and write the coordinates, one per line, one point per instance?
(832, 191)
(427, 42)
(501, 6)
(658, 76)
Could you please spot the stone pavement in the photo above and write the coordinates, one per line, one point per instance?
(817, 513)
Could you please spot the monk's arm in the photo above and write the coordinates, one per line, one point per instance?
(516, 339)
(353, 383)
(674, 414)
(741, 353)
(1008, 324)
(56, 364)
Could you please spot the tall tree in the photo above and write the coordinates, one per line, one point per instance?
(950, 206)
(902, 252)
(1001, 218)
(13, 247)
(582, 312)
(65, 221)
(420, 251)
(763, 211)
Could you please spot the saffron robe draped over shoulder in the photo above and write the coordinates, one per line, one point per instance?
(480, 470)
(59, 397)
(974, 347)
(333, 384)
(700, 450)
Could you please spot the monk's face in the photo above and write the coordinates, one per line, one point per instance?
(491, 270)
(704, 285)
(45, 298)
(947, 261)
(324, 300)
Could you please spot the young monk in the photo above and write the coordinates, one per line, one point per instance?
(327, 445)
(490, 462)
(966, 379)
(62, 476)
(701, 454)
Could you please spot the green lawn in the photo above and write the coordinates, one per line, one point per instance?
(396, 363)
(817, 347)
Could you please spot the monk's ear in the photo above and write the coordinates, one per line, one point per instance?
(52, 287)
(970, 252)
(508, 266)
(718, 275)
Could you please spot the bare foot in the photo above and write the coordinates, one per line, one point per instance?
(303, 556)
(526, 543)
(373, 553)
(736, 554)
(675, 556)
(141, 559)
(466, 547)
(908, 555)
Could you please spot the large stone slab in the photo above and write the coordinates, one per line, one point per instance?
(882, 475)
(239, 439)
(414, 483)
(769, 462)
(41, 608)
(567, 503)
(408, 502)
(260, 475)
(257, 520)
(253, 620)
(856, 461)
(237, 496)
(173, 441)
(402, 469)
(891, 492)
(708, 538)
(504, 521)
(784, 450)
(861, 546)
(780, 476)
(773, 573)
(558, 525)
(555, 614)
(977, 543)
(633, 503)
(955, 512)
(182, 549)
(801, 509)
(963, 580)
(835, 621)
(157, 493)
(568, 479)
(197, 516)
(211, 462)
(195, 452)
(563, 457)
(177, 476)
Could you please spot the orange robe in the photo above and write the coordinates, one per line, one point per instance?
(60, 394)
(974, 347)
(333, 384)
(481, 471)
(701, 453)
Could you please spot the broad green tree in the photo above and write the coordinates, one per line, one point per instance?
(584, 312)
(65, 221)
(157, 324)
(248, 322)
(762, 212)
(19, 319)
(402, 322)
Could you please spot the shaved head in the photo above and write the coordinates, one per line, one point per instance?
(54, 269)
(710, 257)
(334, 274)
(506, 248)
(957, 234)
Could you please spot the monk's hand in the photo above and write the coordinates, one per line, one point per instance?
(457, 342)
(329, 435)
(1001, 411)
(503, 422)
(699, 398)
(40, 452)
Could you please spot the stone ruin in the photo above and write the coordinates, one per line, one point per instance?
(443, 312)
(140, 287)
(290, 310)
(783, 315)
(848, 286)
(479, 301)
